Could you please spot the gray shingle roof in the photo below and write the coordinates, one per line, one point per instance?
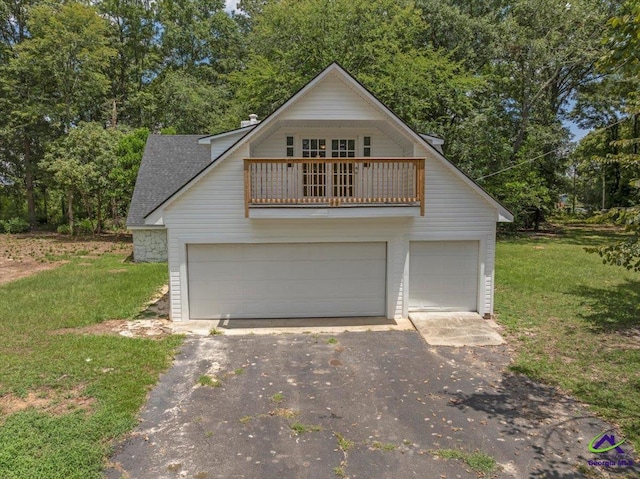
(169, 161)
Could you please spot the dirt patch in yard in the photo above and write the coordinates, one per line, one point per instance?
(47, 399)
(25, 254)
(10, 269)
(137, 328)
(153, 322)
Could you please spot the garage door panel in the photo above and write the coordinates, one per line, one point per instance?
(287, 280)
(265, 271)
(216, 291)
(451, 300)
(442, 263)
(225, 252)
(443, 275)
(226, 269)
(448, 284)
(357, 270)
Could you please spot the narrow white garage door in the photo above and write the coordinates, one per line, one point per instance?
(288, 280)
(443, 275)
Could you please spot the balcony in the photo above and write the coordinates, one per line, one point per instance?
(334, 183)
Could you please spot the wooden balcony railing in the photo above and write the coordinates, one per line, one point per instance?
(333, 182)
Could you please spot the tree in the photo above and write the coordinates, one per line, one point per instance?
(198, 37)
(133, 33)
(539, 54)
(52, 77)
(21, 128)
(66, 59)
(122, 176)
(622, 64)
(466, 29)
(377, 41)
(626, 252)
(253, 8)
(200, 44)
(187, 103)
(82, 164)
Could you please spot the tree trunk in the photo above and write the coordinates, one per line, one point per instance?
(114, 115)
(636, 132)
(70, 210)
(521, 134)
(536, 220)
(573, 200)
(87, 205)
(46, 208)
(99, 215)
(114, 212)
(28, 182)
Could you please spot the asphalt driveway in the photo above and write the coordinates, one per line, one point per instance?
(357, 405)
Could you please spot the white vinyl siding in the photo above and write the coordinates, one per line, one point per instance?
(211, 211)
(220, 145)
(332, 99)
(443, 275)
(286, 280)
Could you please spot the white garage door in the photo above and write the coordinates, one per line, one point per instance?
(289, 280)
(443, 275)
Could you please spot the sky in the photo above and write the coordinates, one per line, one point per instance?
(231, 5)
(578, 133)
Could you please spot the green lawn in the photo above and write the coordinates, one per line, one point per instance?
(92, 385)
(575, 322)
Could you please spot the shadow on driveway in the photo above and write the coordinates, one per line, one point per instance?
(357, 405)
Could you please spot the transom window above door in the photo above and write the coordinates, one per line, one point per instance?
(340, 147)
(314, 148)
(343, 148)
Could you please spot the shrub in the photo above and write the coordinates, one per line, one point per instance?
(64, 229)
(15, 225)
(114, 226)
(84, 227)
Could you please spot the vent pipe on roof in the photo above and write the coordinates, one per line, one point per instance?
(253, 120)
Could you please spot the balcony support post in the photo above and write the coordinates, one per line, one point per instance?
(421, 189)
(247, 187)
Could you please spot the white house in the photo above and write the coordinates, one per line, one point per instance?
(331, 206)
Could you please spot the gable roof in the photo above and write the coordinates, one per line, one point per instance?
(168, 162)
(503, 213)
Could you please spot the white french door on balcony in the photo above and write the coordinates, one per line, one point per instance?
(328, 179)
(314, 175)
(343, 173)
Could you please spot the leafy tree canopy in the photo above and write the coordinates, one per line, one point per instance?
(378, 42)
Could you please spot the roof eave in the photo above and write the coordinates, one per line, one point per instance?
(206, 140)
